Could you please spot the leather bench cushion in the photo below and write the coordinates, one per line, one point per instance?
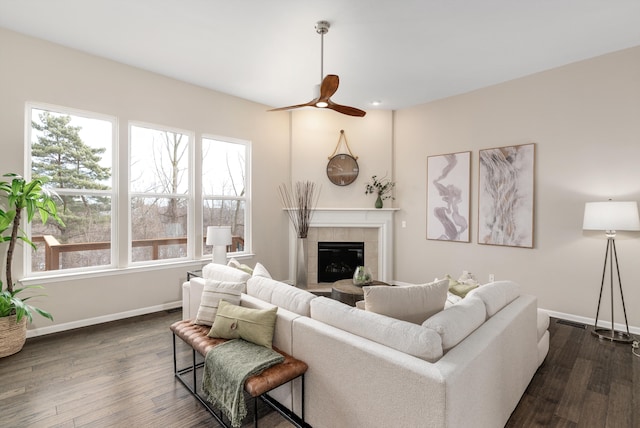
(196, 337)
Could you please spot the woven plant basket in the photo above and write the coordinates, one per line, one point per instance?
(12, 335)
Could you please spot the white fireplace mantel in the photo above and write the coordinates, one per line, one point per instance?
(381, 219)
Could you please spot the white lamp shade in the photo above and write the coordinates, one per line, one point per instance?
(219, 235)
(611, 215)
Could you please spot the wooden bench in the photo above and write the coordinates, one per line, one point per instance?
(257, 386)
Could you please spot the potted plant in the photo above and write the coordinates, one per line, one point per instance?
(18, 195)
(380, 187)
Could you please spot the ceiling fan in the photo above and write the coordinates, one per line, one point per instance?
(329, 84)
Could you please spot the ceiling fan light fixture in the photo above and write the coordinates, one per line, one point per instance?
(328, 85)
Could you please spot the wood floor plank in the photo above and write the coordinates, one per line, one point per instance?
(121, 374)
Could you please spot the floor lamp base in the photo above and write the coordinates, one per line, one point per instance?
(612, 335)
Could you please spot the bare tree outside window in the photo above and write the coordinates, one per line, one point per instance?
(159, 193)
(224, 187)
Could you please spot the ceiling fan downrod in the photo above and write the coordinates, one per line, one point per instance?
(322, 28)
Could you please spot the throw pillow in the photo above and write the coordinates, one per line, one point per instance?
(460, 288)
(212, 293)
(224, 273)
(260, 270)
(413, 303)
(236, 322)
(236, 264)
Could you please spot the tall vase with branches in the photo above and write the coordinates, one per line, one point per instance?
(300, 202)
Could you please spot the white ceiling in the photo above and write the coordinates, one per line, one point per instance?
(398, 52)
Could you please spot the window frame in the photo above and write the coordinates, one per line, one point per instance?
(112, 193)
(247, 144)
(188, 196)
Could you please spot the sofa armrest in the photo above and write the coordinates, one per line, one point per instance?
(191, 295)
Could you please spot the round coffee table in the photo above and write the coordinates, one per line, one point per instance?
(344, 291)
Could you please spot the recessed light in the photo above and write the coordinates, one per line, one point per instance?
(376, 103)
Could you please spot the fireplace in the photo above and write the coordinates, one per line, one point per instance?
(338, 260)
(372, 226)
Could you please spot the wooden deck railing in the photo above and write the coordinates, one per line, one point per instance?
(53, 249)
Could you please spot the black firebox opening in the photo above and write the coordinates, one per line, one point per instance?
(338, 260)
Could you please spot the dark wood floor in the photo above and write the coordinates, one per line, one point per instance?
(120, 375)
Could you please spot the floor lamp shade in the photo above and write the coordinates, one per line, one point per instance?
(611, 216)
(220, 238)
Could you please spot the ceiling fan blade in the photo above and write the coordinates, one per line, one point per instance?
(310, 103)
(329, 86)
(350, 111)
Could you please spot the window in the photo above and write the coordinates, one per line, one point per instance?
(73, 152)
(225, 189)
(159, 193)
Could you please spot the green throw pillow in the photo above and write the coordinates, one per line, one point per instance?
(236, 322)
(458, 288)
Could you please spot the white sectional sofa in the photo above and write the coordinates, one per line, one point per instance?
(466, 366)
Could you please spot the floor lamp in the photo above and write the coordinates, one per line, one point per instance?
(220, 238)
(611, 216)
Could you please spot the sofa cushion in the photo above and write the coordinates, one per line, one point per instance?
(403, 336)
(260, 270)
(236, 322)
(280, 294)
(212, 292)
(413, 303)
(457, 321)
(224, 273)
(496, 295)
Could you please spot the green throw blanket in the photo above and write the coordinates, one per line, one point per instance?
(226, 368)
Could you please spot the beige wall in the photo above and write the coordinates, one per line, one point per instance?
(585, 121)
(34, 70)
(583, 118)
(315, 134)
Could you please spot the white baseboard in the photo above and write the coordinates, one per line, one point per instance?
(99, 320)
(590, 321)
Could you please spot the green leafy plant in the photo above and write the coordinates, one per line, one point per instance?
(20, 195)
(381, 187)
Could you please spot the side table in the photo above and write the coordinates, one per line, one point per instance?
(344, 291)
(192, 273)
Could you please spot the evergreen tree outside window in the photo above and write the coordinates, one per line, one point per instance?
(73, 152)
(159, 193)
(225, 190)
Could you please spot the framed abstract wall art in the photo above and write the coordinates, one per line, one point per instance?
(448, 196)
(506, 195)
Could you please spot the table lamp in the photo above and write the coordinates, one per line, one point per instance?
(611, 216)
(220, 238)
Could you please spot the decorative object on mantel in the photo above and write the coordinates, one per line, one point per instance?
(382, 188)
(362, 276)
(342, 168)
(300, 203)
(611, 216)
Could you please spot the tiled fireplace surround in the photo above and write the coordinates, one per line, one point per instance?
(373, 226)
